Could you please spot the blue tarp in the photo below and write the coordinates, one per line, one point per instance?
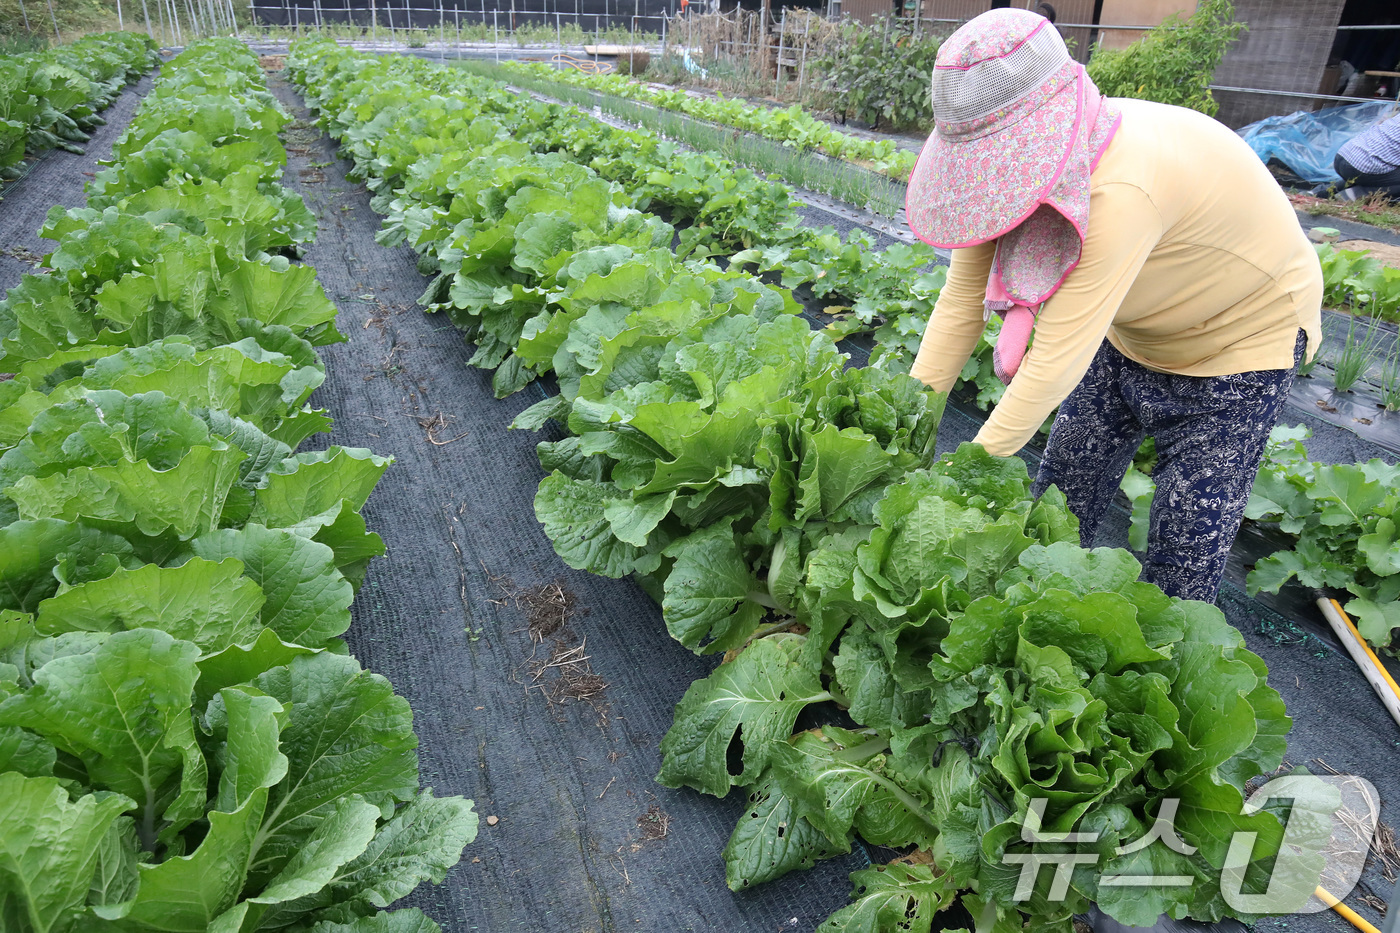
(1308, 142)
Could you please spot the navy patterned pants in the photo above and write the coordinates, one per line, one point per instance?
(1210, 433)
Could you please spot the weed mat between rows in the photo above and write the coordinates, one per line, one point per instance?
(543, 692)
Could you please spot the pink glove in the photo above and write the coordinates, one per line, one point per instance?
(1012, 341)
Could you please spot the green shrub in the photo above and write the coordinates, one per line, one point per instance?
(880, 73)
(1173, 63)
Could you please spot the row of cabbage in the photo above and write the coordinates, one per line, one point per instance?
(53, 98)
(888, 292)
(185, 744)
(787, 511)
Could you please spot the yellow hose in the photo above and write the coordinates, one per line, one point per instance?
(1322, 893)
(1351, 916)
(1364, 644)
(586, 65)
(1366, 661)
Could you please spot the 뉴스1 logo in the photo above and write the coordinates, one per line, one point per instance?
(1319, 846)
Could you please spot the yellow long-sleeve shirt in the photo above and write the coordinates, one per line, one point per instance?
(1194, 264)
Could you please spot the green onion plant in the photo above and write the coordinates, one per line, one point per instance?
(1356, 356)
(1389, 378)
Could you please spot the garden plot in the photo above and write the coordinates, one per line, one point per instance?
(691, 421)
(185, 744)
(1353, 354)
(1342, 425)
(410, 201)
(461, 609)
(55, 179)
(1342, 406)
(56, 175)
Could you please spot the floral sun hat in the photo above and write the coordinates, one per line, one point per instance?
(1018, 128)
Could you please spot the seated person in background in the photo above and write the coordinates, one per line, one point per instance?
(1370, 160)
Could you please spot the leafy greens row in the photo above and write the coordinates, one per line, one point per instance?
(52, 98)
(1356, 280)
(185, 744)
(889, 292)
(787, 511)
(720, 210)
(1344, 519)
(1341, 519)
(792, 126)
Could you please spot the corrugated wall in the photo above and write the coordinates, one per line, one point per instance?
(866, 10)
(1284, 49)
(1066, 11)
(1136, 13)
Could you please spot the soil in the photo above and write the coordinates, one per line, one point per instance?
(654, 823)
(565, 673)
(1385, 253)
(1366, 214)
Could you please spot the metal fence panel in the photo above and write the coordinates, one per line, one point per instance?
(590, 15)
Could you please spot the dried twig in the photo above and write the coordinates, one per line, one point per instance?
(22, 254)
(437, 423)
(563, 674)
(1381, 839)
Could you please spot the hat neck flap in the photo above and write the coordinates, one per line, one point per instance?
(1034, 258)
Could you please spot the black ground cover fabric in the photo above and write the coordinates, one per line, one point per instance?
(1349, 229)
(56, 177)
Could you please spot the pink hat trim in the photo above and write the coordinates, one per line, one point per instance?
(920, 184)
(1019, 313)
(1117, 122)
(1078, 228)
(956, 169)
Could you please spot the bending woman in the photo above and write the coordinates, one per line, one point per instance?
(1171, 290)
